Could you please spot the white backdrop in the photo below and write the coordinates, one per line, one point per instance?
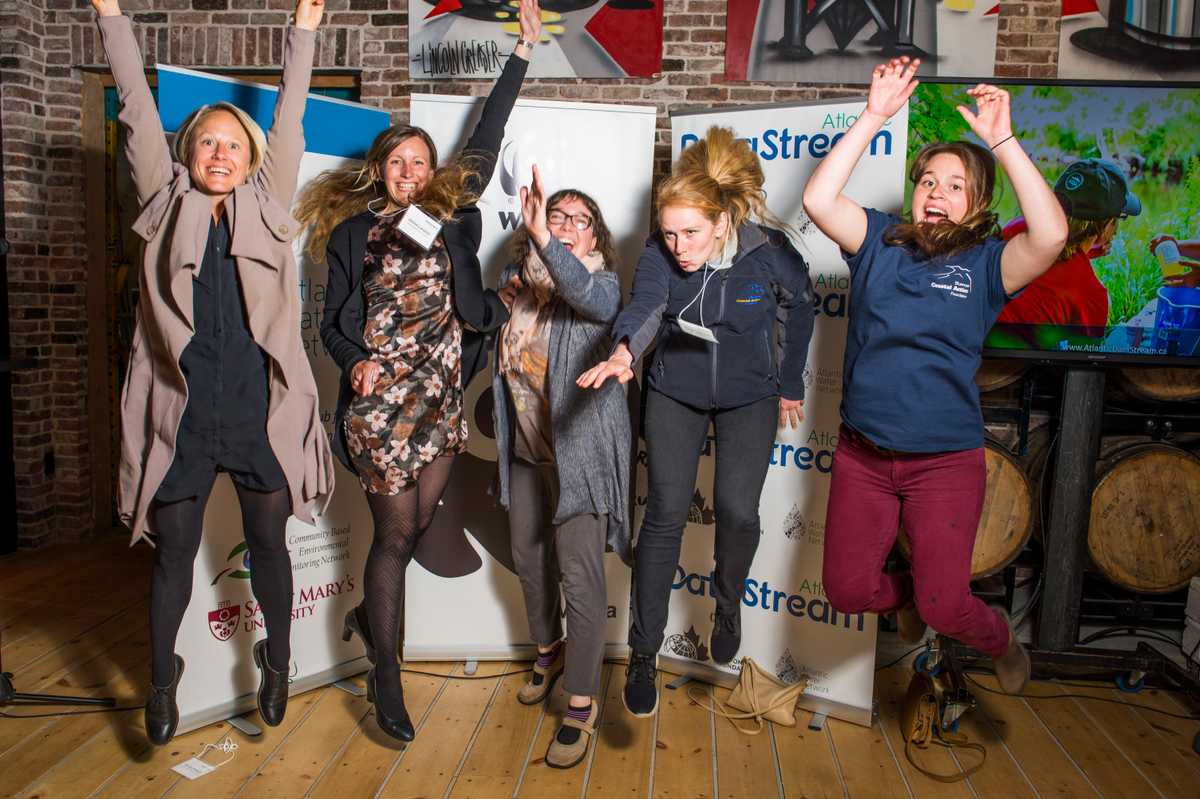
(606, 151)
(787, 625)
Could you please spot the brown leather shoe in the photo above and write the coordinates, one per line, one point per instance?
(910, 625)
(1013, 667)
(560, 755)
(542, 680)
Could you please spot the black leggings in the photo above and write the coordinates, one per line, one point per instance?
(399, 519)
(179, 526)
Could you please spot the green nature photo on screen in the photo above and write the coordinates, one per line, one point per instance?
(1120, 298)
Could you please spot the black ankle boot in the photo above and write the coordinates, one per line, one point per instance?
(401, 727)
(272, 688)
(162, 714)
(356, 623)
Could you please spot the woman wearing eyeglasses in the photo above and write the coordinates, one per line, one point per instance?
(562, 452)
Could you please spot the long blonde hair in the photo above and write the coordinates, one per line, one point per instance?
(719, 173)
(980, 222)
(339, 194)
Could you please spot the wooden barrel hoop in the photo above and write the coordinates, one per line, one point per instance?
(996, 373)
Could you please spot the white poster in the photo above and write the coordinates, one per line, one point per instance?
(788, 626)
(223, 620)
(463, 599)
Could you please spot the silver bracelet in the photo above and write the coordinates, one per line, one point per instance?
(526, 42)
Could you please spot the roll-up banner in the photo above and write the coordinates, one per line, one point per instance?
(223, 620)
(788, 626)
(463, 599)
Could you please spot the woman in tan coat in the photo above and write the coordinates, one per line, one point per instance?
(218, 379)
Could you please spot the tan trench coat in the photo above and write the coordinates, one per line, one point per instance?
(174, 223)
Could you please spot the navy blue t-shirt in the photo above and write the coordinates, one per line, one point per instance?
(915, 339)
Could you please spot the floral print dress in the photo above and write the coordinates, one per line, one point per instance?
(414, 414)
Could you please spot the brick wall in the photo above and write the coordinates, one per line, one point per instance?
(41, 43)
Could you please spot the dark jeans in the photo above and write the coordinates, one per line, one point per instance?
(674, 435)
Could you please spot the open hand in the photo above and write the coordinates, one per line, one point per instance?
(107, 8)
(308, 14)
(533, 210)
(363, 377)
(619, 365)
(892, 83)
(791, 412)
(530, 14)
(992, 119)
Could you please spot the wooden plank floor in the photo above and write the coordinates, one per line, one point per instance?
(74, 621)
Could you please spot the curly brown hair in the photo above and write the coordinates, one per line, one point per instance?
(979, 224)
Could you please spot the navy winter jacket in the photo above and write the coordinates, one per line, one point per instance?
(760, 310)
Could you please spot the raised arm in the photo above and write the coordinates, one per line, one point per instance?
(145, 144)
(1030, 253)
(592, 296)
(835, 214)
(483, 148)
(285, 141)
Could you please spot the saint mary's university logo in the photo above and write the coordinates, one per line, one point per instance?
(223, 622)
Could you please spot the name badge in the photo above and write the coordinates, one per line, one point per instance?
(419, 227)
(699, 331)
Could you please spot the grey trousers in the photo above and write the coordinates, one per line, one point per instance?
(545, 554)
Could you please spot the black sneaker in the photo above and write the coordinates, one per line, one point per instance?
(641, 694)
(726, 635)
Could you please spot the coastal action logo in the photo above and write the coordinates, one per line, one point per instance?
(223, 622)
(955, 279)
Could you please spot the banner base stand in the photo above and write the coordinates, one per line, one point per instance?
(817, 722)
(354, 689)
(470, 667)
(245, 727)
(679, 681)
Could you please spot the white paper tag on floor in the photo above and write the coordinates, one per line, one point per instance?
(193, 769)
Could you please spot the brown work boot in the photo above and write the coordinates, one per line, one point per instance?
(1013, 667)
(910, 625)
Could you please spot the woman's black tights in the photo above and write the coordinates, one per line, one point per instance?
(399, 519)
(179, 526)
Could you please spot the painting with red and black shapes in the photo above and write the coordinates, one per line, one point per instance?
(1139, 40)
(839, 41)
(472, 39)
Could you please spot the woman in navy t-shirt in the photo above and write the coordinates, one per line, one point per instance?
(923, 295)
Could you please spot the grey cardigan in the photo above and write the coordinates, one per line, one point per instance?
(589, 427)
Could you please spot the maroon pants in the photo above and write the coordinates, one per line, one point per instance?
(938, 498)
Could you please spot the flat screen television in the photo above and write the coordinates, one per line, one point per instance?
(1117, 299)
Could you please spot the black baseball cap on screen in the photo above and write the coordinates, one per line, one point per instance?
(1096, 189)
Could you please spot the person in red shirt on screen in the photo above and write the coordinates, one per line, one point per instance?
(1095, 195)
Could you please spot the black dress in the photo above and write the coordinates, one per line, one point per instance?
(224, 426)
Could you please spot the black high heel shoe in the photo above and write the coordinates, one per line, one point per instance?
(162, 714)
(353, 625)
(272, 688)
(400, 728)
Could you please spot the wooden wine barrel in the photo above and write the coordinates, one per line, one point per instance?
(1007, 519)
(1144, 528)
(1171, 385)
(996, 373)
